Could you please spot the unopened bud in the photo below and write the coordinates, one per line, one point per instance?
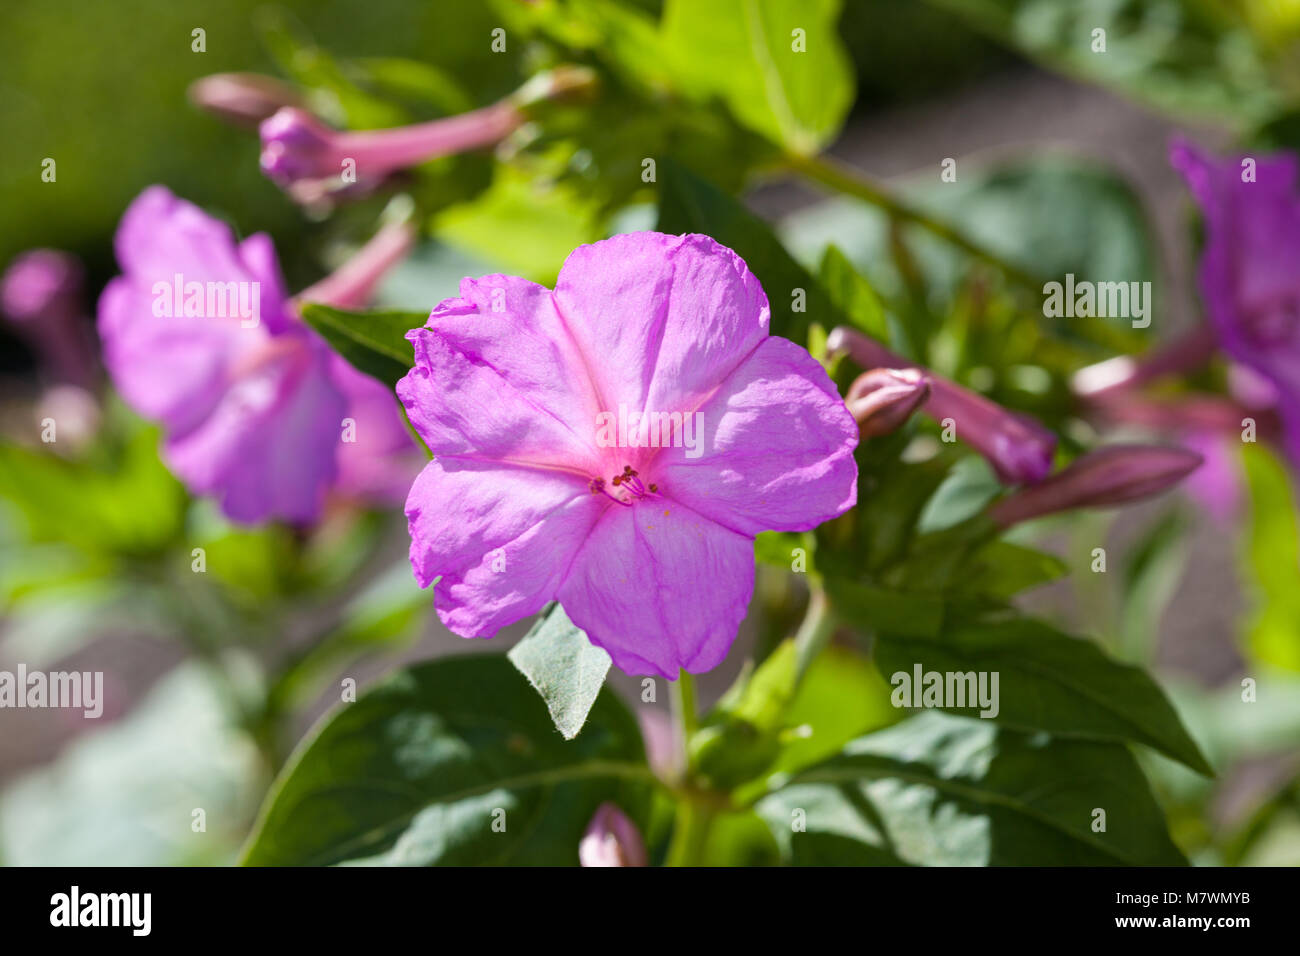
(612, 840)
(882, 399)
(244, 99)
(1114, 475)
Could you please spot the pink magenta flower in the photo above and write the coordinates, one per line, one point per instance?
(616, 444)
(199, 334)
(1019, 449)
(612, 840)
(1249, 276)
(41, 293)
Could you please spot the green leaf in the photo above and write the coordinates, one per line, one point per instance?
(127, 504)
(1001, 570)
(963, 494)
(853, 294)
(373, 342)
(938, 790)
(871, 609)
(421, 766)
(688, 203)
(564, 667)
(1048, 681)
(526, 227)
(842, 696)
(744, 52)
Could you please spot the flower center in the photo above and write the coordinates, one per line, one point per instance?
(628, 488)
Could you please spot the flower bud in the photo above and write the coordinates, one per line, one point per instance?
(612, 840)
(882, 399)
(244, 99)
(1019, 449)
(1114, 475)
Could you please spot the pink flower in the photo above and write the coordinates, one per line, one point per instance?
(612, 840)
(1249, 277)
(200, 335)
(41, 293)
(615, 445)
(1019, 449)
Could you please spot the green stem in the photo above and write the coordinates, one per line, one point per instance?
(684, 707)
(845, 179)
(814, 632)
(690, 828)
(690, 834)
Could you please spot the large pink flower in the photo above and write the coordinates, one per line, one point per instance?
(1249, 276)
(547, 485)
(253, 402)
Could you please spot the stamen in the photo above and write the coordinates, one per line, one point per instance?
(597, 486)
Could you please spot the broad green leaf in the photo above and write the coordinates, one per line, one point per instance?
(872, 609)
(853, 294)
(968, 488)
(421, 766)
(688, 203)
(939, 790)
(842, 696)
(1001, 570)
(525, 227)
(1047, 681)
(373, 342)
(127, 504)
(1273, 556)
(778, 64)
(564, 667)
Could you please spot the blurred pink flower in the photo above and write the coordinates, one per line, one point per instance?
(200, 335)
(1249, 276)
(41, 294)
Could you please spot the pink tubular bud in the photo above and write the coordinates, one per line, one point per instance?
(351, 285)
(1019, 449)
(245, 99)
(612, 840)
(882, 399)
(1114, 475)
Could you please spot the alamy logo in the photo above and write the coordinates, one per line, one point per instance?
(651, 430)
(103, 909)
(63, 689)
(950, 690)
(208, 300)
(1102, 300)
